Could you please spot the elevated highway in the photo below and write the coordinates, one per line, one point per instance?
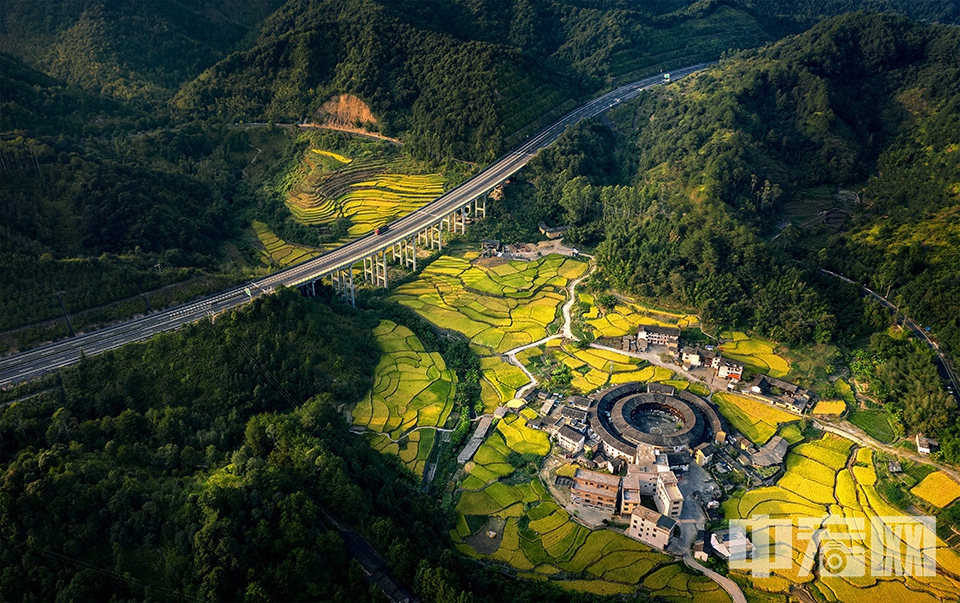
(422, 227)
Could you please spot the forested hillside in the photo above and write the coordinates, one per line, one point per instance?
(453, 78)
(836, 148)
(207, 464)
(720, 164)
(138, 52)
(120, 177)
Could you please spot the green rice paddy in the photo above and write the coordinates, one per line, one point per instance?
(757, 354)
(498, 305)
(278, 252)
(412, 395)
(877, 424)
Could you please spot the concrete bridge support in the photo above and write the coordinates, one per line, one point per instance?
(342, 281)
(405, 252)
(375, 269)
(436, 236)
(409, 253)
(308, 289)
(480, 206)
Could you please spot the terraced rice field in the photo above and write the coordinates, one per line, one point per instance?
(277, 252)
(490, 461)
(938, 489)
(594, 368)
(754, 419)
(552, 546)
(818, 483)
(626, 317)
(757, 354)
(370, 190)
(498, 306)
(412, 395)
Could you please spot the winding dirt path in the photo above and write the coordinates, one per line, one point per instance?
(566, 332)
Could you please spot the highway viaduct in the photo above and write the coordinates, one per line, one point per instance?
(422, 228)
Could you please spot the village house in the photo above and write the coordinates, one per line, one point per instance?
(657, 335)
(699, 549)
(490, 247)
(646, 525)
(770, 454)
(731, 370)
(551, 232)
(579, 402)
(595, 490)
(925, 445)
(782, 393)
(679, 461)
(570, 439)
(613, 465)
(694, 357)
(574, 416)
(547, 407)
(629, 494)
(732, 542)
(703, 454)
(668, 497)
(645, 476)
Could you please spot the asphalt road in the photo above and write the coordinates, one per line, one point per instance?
(943, 365)
(34, 363)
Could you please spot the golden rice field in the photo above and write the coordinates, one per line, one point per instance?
(335, 156)
(626, 317)
(757, 354)
(830, 407)
(938, 489)
(552, 546)
(816, 484)
(754, 419)
(412, 395)
(498, 307)
(276, 251)
(596, 368)
(370, 192)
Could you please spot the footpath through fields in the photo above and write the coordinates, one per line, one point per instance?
(858, 436)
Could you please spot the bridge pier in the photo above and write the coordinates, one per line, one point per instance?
(409, 253)
(480, 209)
(375, 269)
(342, 281)
(436, 236)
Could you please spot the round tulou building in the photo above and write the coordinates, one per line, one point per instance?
(655, 416)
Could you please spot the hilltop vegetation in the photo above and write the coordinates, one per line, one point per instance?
(99, 95)
(725, 161)
(689, 198)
